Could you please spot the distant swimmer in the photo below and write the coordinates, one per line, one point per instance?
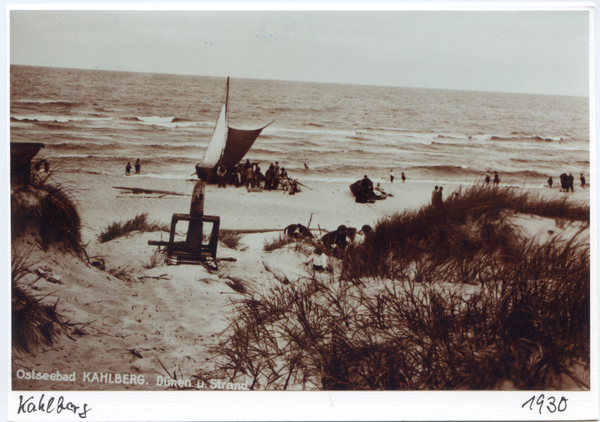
(550, 181)
(580, 178)
(403, 177)
(128, 169)
(138, 166)
(496, 179)
(392, 175)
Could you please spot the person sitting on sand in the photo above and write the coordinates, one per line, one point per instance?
(383, 193)
(335, 241)
(319, 260)
(550, 181)
(294, 186)
(367, 232)
(128, 169)
(582, 180)
(305, 167)
(365, 193)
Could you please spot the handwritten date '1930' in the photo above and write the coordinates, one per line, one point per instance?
(552, 406)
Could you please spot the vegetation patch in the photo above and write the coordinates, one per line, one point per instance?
(442, 298)
(47, 210)
(34, 322)
(230, 238)
(138, 223)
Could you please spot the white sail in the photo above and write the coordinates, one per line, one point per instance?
(215, 148)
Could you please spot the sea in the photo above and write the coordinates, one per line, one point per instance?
(93, 121)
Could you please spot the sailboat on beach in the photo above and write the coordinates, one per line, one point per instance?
(227, 144)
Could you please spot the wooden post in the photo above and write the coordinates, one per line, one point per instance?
(194, 234)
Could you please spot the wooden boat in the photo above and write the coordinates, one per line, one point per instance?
(227, 144)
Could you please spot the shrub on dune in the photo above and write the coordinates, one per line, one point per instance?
(47, 209)
(138, 223)
(34, 323)
(438, 298)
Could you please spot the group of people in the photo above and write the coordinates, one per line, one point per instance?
(437, 197)
(336, 242)
(392, 177)
(250, 175)
(567, 181)
(138, 167)
(488, 179)
(333, 243)
(364, 192)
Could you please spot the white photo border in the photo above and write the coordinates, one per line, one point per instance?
(329, 405)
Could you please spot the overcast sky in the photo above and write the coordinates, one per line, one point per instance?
(538, 52)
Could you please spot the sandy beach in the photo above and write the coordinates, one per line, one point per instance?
(159, 324)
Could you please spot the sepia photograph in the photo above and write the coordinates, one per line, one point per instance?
(301, 200)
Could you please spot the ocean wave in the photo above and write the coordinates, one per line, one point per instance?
(45, 101)
(59, 119)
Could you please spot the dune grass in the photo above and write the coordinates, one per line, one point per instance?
(46, 209)
(439, 299)
(230, 238)
(138, 223)
(34, 322)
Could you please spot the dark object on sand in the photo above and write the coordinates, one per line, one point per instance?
(143, 190)
(363, 191)
(297, 231)
(193, 250)
(21, 154)
(227, 144)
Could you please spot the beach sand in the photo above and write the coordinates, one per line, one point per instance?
(162, 321)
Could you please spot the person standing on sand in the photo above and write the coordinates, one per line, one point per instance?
(580, 178)
(570, 182)
(275, 181)
(403, 177)
(564, 182)
(221, 172)
(128, 169)
(269, 177)
(434, 196)
(392, 175)
(250, 177)
(496, 179)
(439, 202)
(138, 166)
(550, 181)
(487, 178)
